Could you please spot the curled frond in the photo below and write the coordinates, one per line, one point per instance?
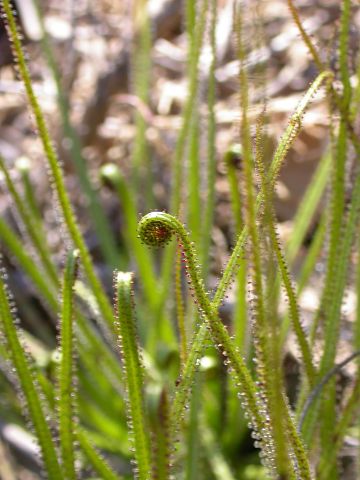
(219, 333)
(156, 229)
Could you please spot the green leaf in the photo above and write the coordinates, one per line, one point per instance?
(133, 374)
(27, 385)
(66, 369)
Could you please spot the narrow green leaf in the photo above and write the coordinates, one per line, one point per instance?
(333, 310)
(87, 332)
(192, 466)
(112, 174)
(24, 373)
(31, 226)
(97, 462)
(286, 280)
(156, 229)
(279, 156)
(211, 147)
(55, 168)
(161, 449)
(308, 206)
(66, 369)
(16, 248)
(133, 374)
(342, 105)
(101, 224)
(217, 460)
(184, 134)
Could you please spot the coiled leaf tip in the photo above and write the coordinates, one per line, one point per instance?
(156, 229)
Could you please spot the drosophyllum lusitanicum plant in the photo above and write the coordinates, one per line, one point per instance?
(113, 371)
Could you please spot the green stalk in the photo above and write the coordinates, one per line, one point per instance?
(101, 224)
(338, 174)
(336, 232)
(95, 459)
(347, 414)
(231, 157)
(184, 134)
(194, 178)
(16, 248)
(156, 229)
(344, 54)
(313, 254)
(275, 449)
(186, 381)
(277, 458)
(31, 226)
(305, 36)
(192, 466)
(66, 369)
(97, 462)
(332, 317)
(302, 220)
(161, 437)
(55, 168)
(211, 147)
(193, 447)
(288, 138)
(338, 292)
(286, 280)
(88, 333)
(280, 414)
(240, 310)
(188, 108)
(341, 104)
(180, 313)
(23, 165)
(26, 380)
(308, 206)
(307, 269)
(111, 172)
(133, 373)
(219, 466)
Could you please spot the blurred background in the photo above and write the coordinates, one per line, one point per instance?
(89, 71)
